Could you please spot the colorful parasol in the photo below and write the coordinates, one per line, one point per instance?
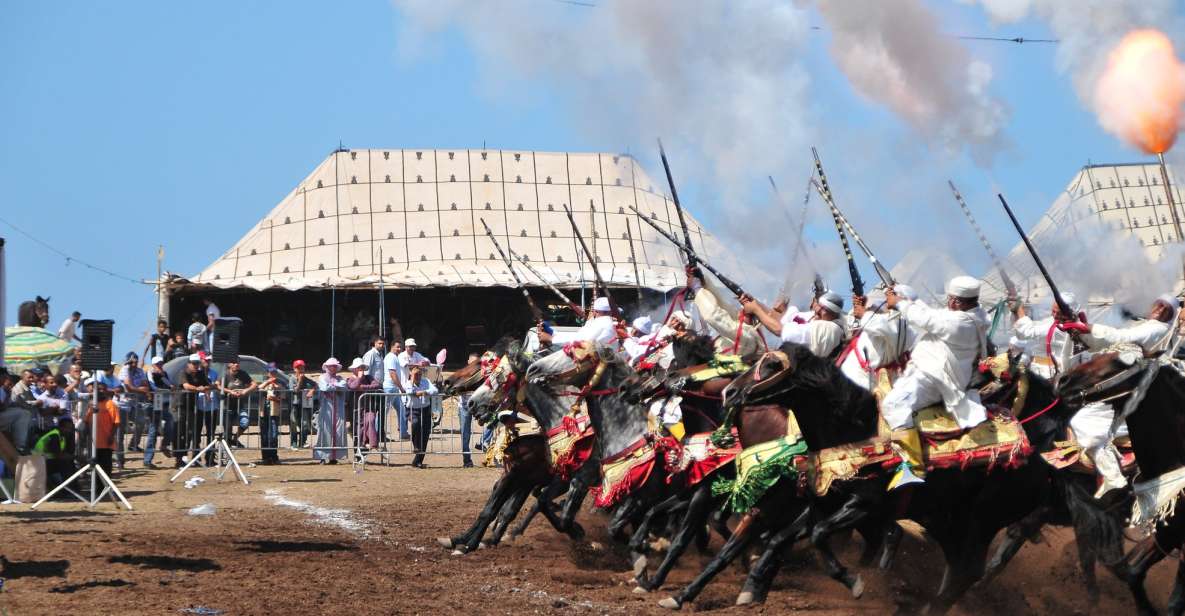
(28, 347)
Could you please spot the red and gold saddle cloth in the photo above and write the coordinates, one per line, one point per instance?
(625, 471)
(1069, 455)
(570, 444)
(696, 458)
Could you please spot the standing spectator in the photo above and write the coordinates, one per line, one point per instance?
(158, 343)
(269, 419)
(176, 347)
(331, 420)
(361, 383)
(238, 388)
(408, 358)
(393, 384)
(419, 403)
(466, 421)
(68, 330)
(304, 400)
(162, 403)
(133, 403)
(375, 361)
(208, 406)
(196, 335)
(104, 423)
(195, 385)
(212, 315)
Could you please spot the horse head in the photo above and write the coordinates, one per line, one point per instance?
(496, 389)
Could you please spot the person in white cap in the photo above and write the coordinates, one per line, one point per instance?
(601, 326)
(820, 332)
(726, 322)
(406, 359)
(331, 420)
(1050, 349)
(881, 339)
(1092, 423)
(642, 330)
(950, 342)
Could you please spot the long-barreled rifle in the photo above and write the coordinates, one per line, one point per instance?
(825, 191)
(1009, 287)
(881, 272)
(691, 258)
(725, 280)
(560, 294)
(593, 262)
(1062, 306)
(629, 236)
(800, 226)
(535, 311)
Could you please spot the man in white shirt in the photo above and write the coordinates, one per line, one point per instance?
(600, 326)
(820, 332)
(881, 339)
(950, 341)
(212, 315)
(1092, 423)
(1050, 349)
(724, 321)
(67, 330)
(393, 384)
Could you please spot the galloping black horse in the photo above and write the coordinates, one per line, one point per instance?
(1156, 426)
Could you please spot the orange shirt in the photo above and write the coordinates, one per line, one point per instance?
(108, 419)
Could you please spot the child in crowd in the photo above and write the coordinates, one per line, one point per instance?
(105, 421)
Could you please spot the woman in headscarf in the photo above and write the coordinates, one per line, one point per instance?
(331, 420)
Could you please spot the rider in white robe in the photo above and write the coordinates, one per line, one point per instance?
(723, 320)
(821, 332)
(882, 338)
(600, 327)
(1058, 356)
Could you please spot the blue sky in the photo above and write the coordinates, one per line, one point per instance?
(133, 124)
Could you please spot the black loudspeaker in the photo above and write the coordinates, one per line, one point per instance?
(226, 340)
(96, 344)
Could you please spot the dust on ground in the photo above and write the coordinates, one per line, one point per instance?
(304, 538)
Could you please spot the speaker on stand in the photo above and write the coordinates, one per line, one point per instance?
(96, 344)
(225, 345)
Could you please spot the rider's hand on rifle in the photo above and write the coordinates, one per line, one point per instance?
(859, 306)
(1074, 327)
(748, 304)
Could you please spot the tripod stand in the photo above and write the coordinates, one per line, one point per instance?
(224, 458)
(97, 473)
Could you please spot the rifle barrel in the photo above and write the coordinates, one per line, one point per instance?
(535, 311)
(1057, 296)
(1008, 286)
(591, 261)
(678, 206)
(726, 281)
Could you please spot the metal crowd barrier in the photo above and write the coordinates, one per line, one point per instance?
(269, 422)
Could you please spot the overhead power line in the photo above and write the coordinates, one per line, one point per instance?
(70, 259)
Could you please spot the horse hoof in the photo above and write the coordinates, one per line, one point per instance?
(458, 552)
(639, 565)
(595, 546)
(670, 603)
(745, 598)
(858, 587)
(638, 590)
(482, 545)
(445, 542)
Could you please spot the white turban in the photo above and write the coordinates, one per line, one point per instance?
(964, 287)
(831, 301)
(905, 292)
(643, 324)
(601, 304)
(1170, 300)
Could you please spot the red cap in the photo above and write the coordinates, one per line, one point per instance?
(298, 363)
(203, 356)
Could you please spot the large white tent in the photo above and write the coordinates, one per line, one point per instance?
(413, 217)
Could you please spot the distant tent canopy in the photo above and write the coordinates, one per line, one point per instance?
(413, 219)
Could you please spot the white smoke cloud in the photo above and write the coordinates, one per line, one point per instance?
(895, 53)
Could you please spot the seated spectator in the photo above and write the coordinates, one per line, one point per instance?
(176, 347)
(57, 445)
(16, 419)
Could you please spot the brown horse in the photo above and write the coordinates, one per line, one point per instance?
(1156, 425)
(34, 313)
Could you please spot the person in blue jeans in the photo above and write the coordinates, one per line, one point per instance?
(419, 406)
(466, 421)
(162, 394)
(393, 384)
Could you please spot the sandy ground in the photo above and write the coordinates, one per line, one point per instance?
(310, 539)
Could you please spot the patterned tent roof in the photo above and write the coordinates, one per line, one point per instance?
(414, 217)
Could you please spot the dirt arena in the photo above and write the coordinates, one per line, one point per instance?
(310, 539)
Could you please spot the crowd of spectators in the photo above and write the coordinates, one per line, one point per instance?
(141, 409)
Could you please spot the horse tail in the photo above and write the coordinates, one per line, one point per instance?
(1099, 527)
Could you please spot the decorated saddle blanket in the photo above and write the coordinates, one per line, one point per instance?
(624, 472)
(697, 457)
(570, 444)
(761, 466)
(1069, 455)
(721, 366)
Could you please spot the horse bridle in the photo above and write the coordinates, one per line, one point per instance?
(1107, 383)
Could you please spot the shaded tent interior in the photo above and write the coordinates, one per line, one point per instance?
(282, 326)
